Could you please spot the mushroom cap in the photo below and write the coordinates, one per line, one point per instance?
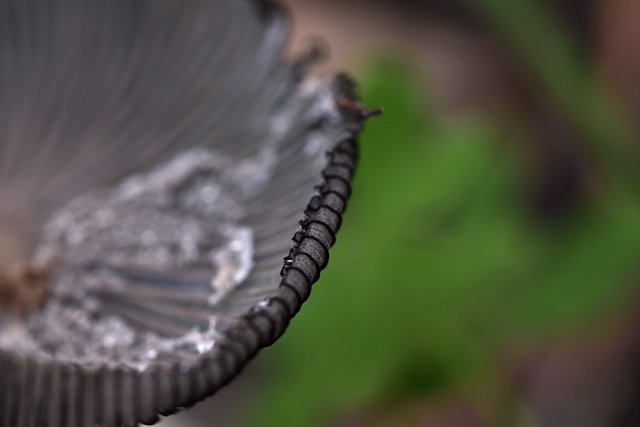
(158, 160)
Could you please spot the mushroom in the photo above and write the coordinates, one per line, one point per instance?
(157, 157)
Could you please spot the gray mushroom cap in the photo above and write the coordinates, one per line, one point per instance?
(156, 159)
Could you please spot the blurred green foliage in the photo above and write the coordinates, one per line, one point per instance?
(439, 263)
(547, 53)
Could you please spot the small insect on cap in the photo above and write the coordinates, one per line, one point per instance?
(156, 159)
